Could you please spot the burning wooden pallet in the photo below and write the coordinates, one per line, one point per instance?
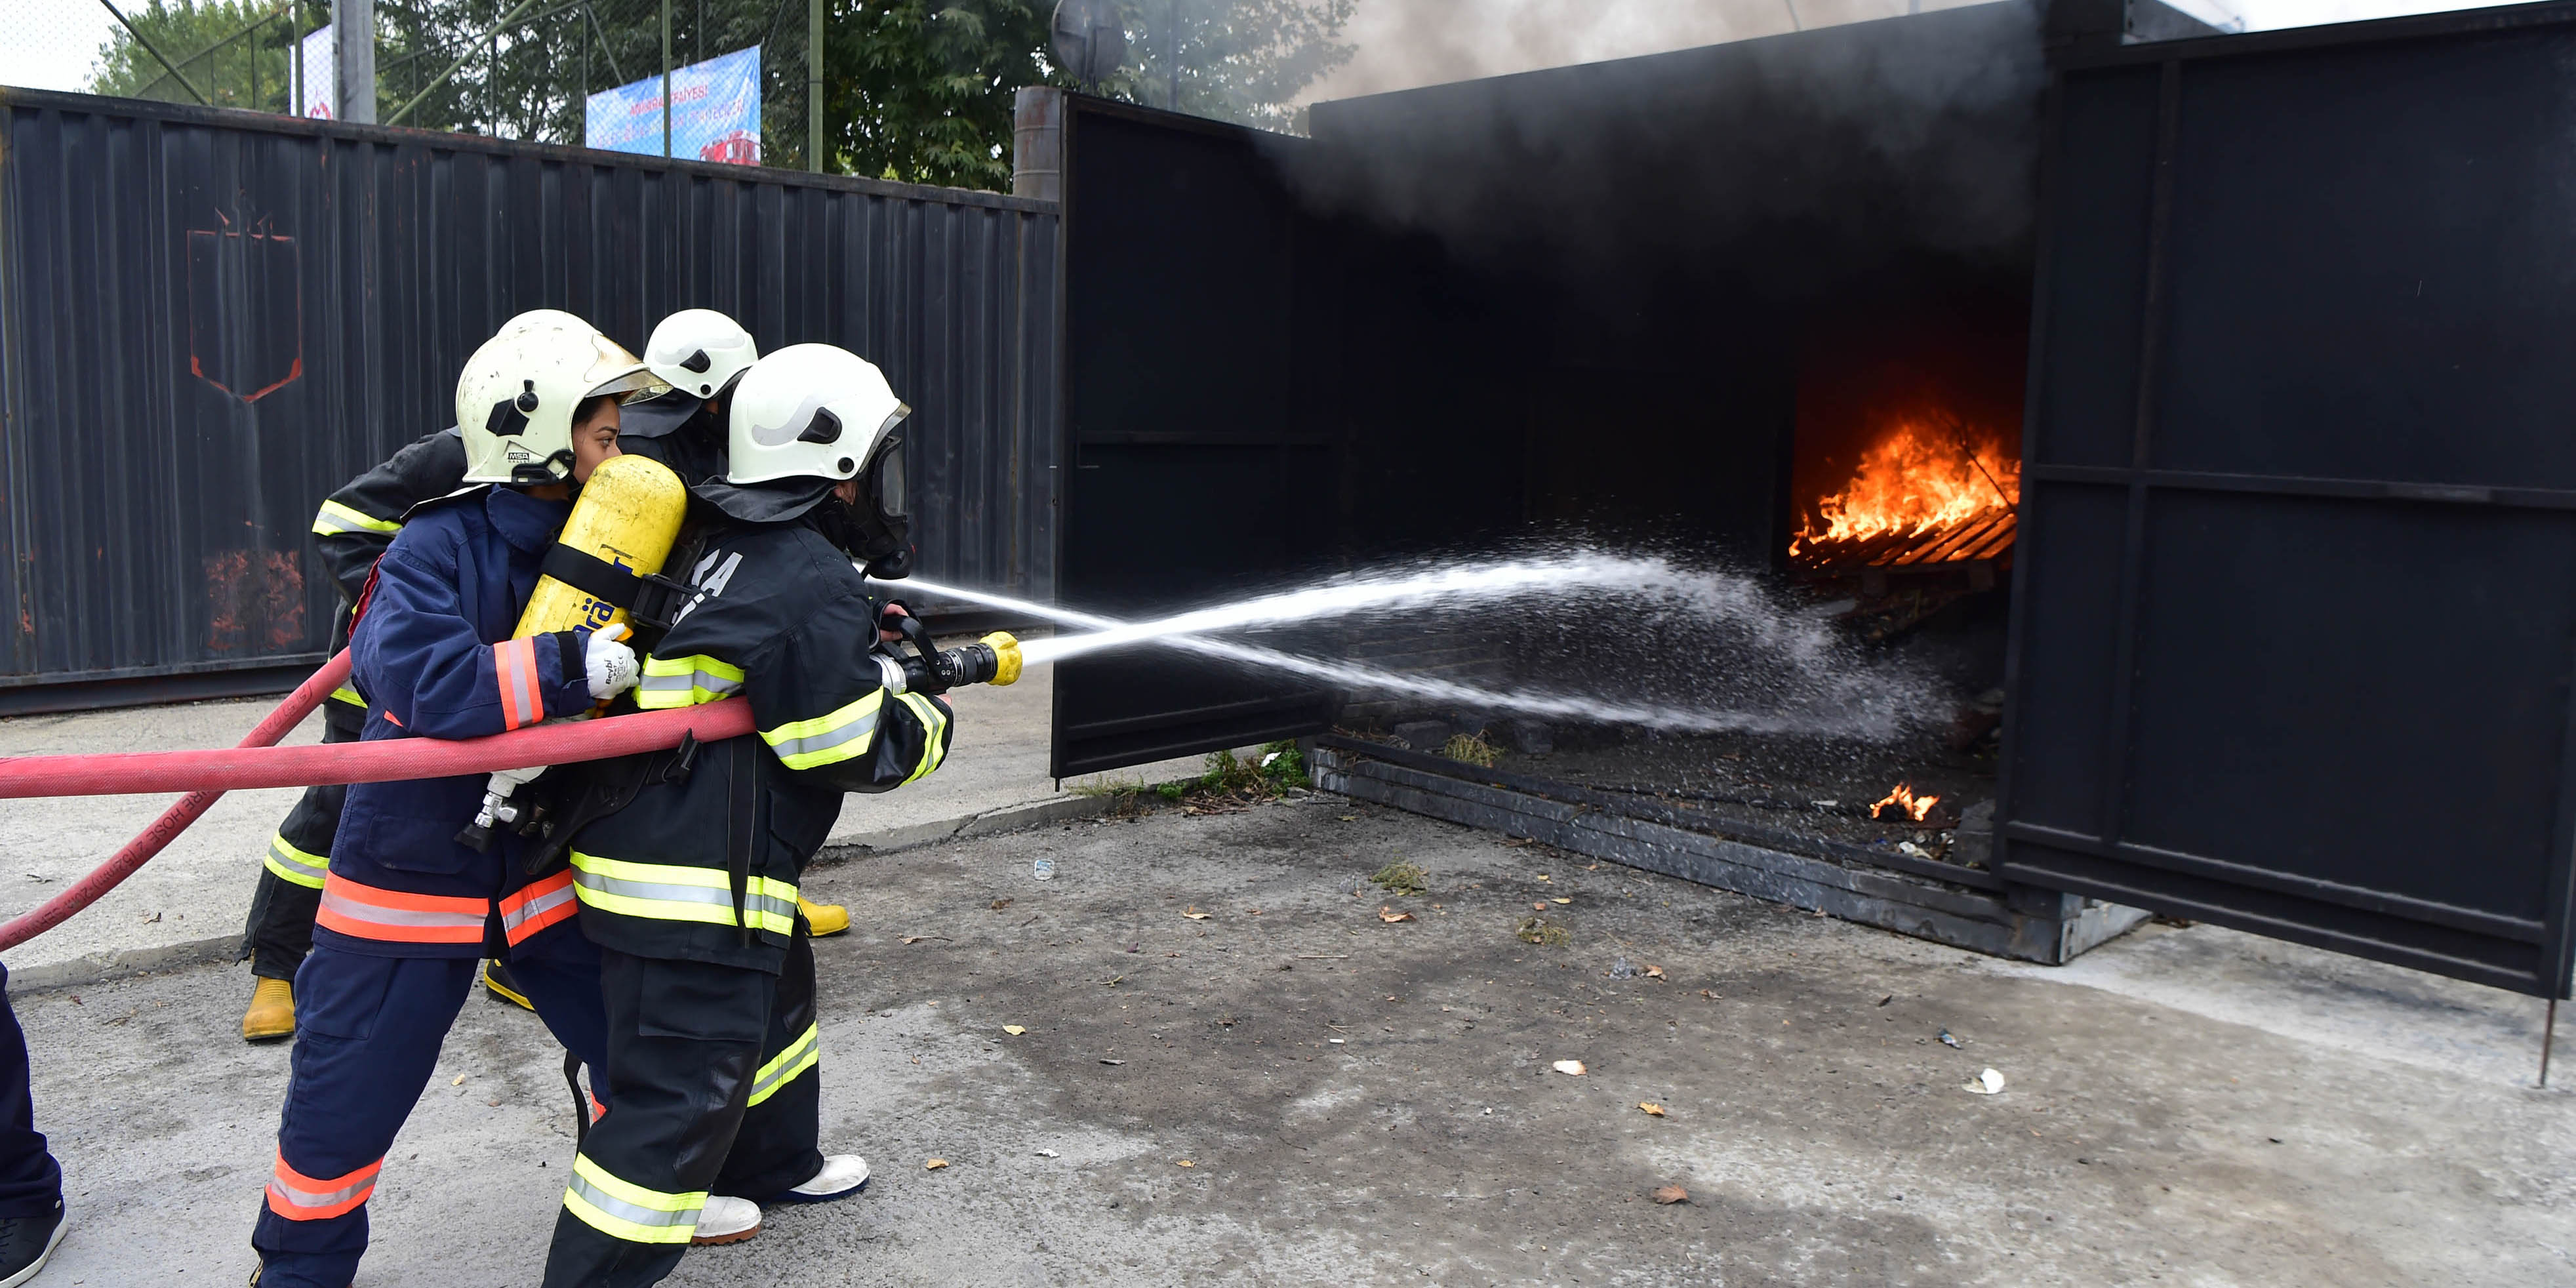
(1987, 536)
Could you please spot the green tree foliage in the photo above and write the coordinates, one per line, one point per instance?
(915, 90)
(921, 90)
(1233, 60)
(238, 53)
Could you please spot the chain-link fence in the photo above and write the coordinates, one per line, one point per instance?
(584, 72)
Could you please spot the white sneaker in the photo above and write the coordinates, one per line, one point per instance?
(726, 1220)
(841, 1177)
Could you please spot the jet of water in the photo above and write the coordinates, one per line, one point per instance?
(1437, 587)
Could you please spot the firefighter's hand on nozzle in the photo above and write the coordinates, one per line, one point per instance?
(610, 663)
(887, 633)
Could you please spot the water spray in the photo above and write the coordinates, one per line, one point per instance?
(1441, 587)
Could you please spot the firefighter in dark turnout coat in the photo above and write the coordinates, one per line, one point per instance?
(691, 890)
(697, 351)
(406, 909)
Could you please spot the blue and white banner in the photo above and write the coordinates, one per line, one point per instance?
(715, 112)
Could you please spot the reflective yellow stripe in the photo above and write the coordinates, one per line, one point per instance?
(800, 1055)
(824, 740)
(933, 724)
(685, 681)
(624, 1210)
(299, 866)
(346, 694)
(334, 518)
(672, 892)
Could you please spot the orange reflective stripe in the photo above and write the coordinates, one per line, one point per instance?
(365, 912)
(534, 907)
(297, 1197)
(514, 666)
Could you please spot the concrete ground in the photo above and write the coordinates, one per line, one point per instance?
(1296, 1089)
(188, 904)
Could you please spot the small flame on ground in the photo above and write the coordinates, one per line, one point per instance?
(1905, 802)
(1925, 474)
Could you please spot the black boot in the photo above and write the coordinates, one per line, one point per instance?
(26, 1242)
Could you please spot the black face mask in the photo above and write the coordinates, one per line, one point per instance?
(880, 541)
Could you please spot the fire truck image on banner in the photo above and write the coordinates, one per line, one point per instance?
(714, 112)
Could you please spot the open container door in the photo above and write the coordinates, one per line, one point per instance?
(2296, 609)
(1193, 469)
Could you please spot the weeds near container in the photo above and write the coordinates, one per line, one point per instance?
(1403, 878)
(1536, 930)
(1473, 749)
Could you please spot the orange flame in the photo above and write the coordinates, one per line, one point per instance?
(1926, 473)
(1903, 800)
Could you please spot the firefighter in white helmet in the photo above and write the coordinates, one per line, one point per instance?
(351, 531)
(701, 354)
(712, 1041)
(406, 910)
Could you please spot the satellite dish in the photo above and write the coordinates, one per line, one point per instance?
(1089, 41)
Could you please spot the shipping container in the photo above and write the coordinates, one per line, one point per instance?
(210, 319)
(2270, 327)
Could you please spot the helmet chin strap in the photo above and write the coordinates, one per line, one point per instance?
(554, 469)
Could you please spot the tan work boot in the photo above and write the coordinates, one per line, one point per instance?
(823, 918)
(272, 1012)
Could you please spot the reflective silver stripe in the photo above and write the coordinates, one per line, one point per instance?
(631, 1213)
(753, 902)
(538, 907)
(825, 741)
(706, 680)
(335, 902)
(281, 852)
(790, 1062)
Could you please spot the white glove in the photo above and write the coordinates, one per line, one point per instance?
(506, 781)
(610, 664)
(889, 673)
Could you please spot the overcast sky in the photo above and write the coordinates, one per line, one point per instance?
(53, 44)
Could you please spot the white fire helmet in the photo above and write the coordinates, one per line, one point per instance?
(534, 318)
(516, 397)
(699, 351)
(810, 411)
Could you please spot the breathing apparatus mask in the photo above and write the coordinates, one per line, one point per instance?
(875, 529)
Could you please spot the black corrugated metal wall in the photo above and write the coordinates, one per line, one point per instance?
(208, 320)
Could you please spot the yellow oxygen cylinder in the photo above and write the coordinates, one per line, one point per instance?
(628, 515)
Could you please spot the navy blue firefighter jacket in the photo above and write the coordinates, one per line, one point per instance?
(433, 653)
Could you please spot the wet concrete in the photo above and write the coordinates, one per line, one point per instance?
(2187, 1106)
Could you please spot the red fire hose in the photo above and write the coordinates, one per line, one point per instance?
(259, 762)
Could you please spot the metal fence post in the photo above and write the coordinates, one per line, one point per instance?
(353, 54)
(814, 85)
(666, 77)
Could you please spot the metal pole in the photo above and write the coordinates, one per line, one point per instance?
(2548, 1031)
(353, 47)
(666, 77)
(295, 60)
(184, 82)
(814, 85)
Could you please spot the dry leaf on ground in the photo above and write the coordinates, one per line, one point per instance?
(1560, 901)
(934, 1164)
(1672, 1194)
(1651, 1108)
(1574, 1067)
(999, 904)
(914, 939)
(1542, 906)
(1194, 914)
(1388, 915)
(1013, 1029)
(1654, 972)
(1183, 1162)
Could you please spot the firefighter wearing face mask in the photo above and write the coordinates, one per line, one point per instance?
(406, 910)
(699, 353)
(691, 889)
